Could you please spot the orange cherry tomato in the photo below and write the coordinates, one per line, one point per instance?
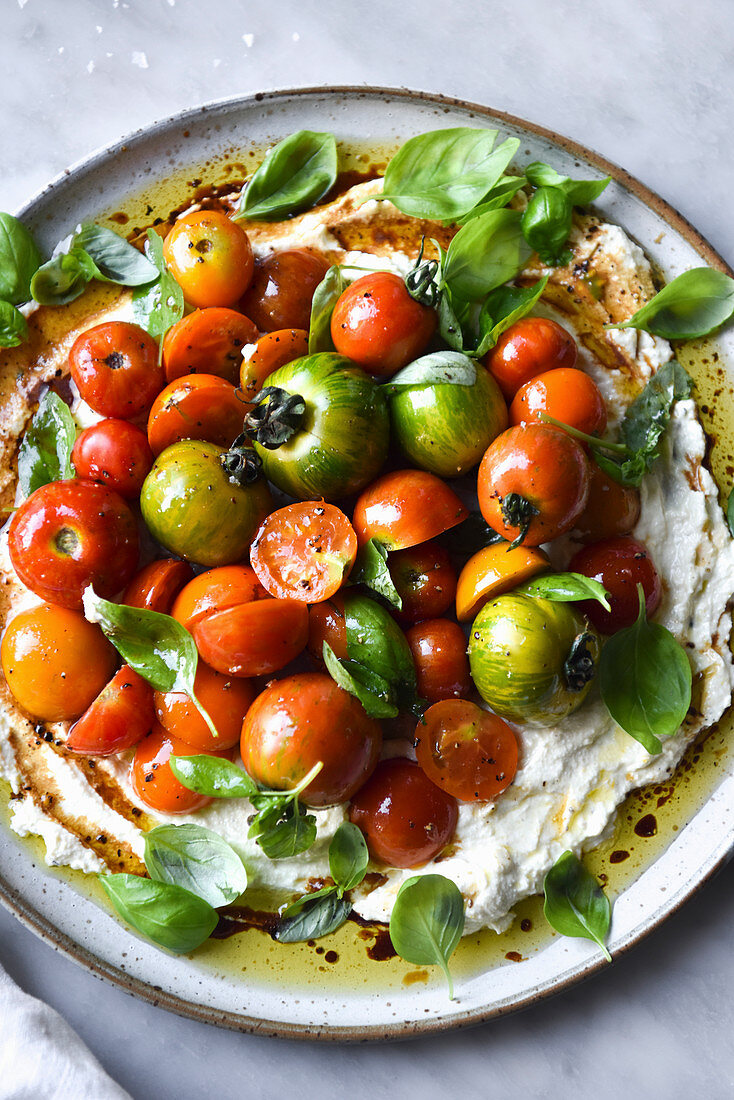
(406, 507)
(152, 778)
(282, 289)
(210, 257)
(253, 639)
(304, 551)
(425, 580)
(226, 700)
(466, 751)
(116, 370)
(406, 819)
(620, 564)
(55, 662)
(157, 584)
(567, 394)
(118, 718)
(441, 663)
(533, 482)
(494, 570)
(271, 351)
(216, 590)
(207, 341)
(326, 623)
(612, 509)
(528, 348)
(378, 325)
(301, 721)
(199, 406)
(116, 453)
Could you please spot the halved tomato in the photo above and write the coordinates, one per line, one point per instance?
(493, 570)
(157, 584)
(271, 351)
(199, 406)
(253, 639)
(304, 551)
(406, 507)
(466, 751)
(118, 718)
(207, 341)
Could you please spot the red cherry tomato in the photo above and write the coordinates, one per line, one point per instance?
(215, 590)
(207, 341)
(425, 580)
(378, 325)
(116, 370)
(528, 348)
(282, 289)
(115, 453)
(567, 394)
(533, 478)
(271, 351)
(304, 551)
(152, 778)
(441, 664)
(467, 751)
(225, 699)
(612, 509)
(253, 639)
(301, 721)
(118, 718)
(326, 623)
(406, 507)
(69, 534)
(406, 819)
(199, 406)
(157, 584)
(620, 564)
(210, 258)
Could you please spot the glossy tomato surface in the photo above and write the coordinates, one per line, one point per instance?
(494, 570)
(120, 716)
(327, 623)
(216, 590)
(152, 778)
(468, 752)
(612, 509)
(210, 258)
(620, 564)
(271, 351)
(441, 664)
(528, 348)
(304, 551)
(378, 325)
(406, 507)
(425, 580)
(157, 584)
(568, 395)
(207, 341)
(115, 453)
(116, 370)
(224, 698)
(253, 639)
(200, 406)
(282, 289)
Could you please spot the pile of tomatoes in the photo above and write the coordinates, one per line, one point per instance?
(257, 586)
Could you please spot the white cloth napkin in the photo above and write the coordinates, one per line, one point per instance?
(41, 1057)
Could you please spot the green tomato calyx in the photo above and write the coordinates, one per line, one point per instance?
(421, 283)
(240, 463)
(276, 416)
(517, 511)
(580, 666)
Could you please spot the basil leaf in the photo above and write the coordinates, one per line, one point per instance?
(436, 368)
(649, 414)
(319, 914)
(444, 173)
(470, 536)
(13, 326)
(63, 278)
(115, 260)
(294, 175)
(291, 833)
(730, 513)
(580, 192)
(427, 921)
(376, 644)
(691, 305)
(575, 904)
(371, 570)
(299, 904)
(45, 450)
(567, 587)
(546, 223)
(487, 252)
(167, 914)
(158, 305)
(374, 698)
(449, 325)
(325, 297)
(348, 857)
(19, 260)
(502, 308)
(499, 196)
(197, 859)
(645, 680)
(212, 776)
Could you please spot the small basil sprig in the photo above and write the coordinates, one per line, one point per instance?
(575, 904)
(63, 278)
(437, 368)
(13, 326)
(502, 308)
(198, 860)
(371, 570)
(45, 450)
(160, 304)
(19, 261)
(645, 680)
(325, 297)
(497, 197)
(546, 222)
(580, 192)
(294, 175)
(115, 260)
(165, 913)
(427, 922)
(487, 252)
(372, 690)
(693, 304)
(566, 588)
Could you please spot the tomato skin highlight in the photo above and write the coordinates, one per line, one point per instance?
(406, 507)
(425, 580)
(207, 341)
(120, 716)
(273, 350)
(70, 534)
(199, 406)
(152, 778)
(405, 818)
(620, 564)
(210, 257)
(304, 719)
(216, 590)
(494, 570)
(304, 551)
(116, 453)
(532, 346)
(326, 623)
(612, 509)
(157, 584)
(567, 394)
(282, 289)
(225, 699)
(468, 752)
(441, 664)
(116, 370)
(253, 639)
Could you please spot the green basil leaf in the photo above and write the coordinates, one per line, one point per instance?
(212, 776)
(438, 368)
(445, 173)
(645, 681)
(375, 642)
(116, 261)
(487, 252)
(546, 223)
(691, 305)
(580, 192)
(470, 536)
(502, 308)
(63, 278)
(730, 513)
(326, 295)
(319, 914)
(375, 698)
(427, 921)
(160, 304)
(649, 414)
(13, 326)
(301, 903)
(45, 450)
(371, 570)
(449, 324)
(167, 914)
(575, 904)
(19, 261)
(348, 857)
(567, 587)
(294, 175)
(499, 195)
(293, 833)
(197, 859)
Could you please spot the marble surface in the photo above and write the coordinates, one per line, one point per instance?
(650, 87)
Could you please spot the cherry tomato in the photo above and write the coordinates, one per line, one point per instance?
(567, 394)
(225, 699)
(210, 258)
(69, 534)
(253, 639)
(55, 662)
(271, 351)
(118, 718)
(326, 623)
(301, 721)
(152, 778)
(377, 324)
(116, 370)
(282, 289)
(467, 751)
(115, 453)
(157, 584)
(534, 478)
(493, 570)
(620, 564)
(425, 580)
(406, 507)
(304, 551)
(216, 590)
(441, 664)
(612, 509)
(528, 348)
(199, 406)
(207, 341)
(406, 819)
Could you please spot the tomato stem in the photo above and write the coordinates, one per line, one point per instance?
(517, 511)
(420, 282)
(240, 463)
(276, 415)
(593, 441)
(579, 666)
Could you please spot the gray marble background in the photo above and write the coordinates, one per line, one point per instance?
(649, 84)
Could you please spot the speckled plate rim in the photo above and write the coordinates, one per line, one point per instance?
(33, 919)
